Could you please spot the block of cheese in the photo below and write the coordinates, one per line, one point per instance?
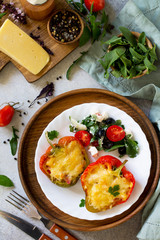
(22, 48)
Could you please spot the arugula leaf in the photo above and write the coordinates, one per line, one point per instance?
(113, 40)
(2, 14)
(116, 73)
(136, 55)
(86, 35)
(142, 47)
(5, 181)
(114, 148)
(73, 64)
(114, 190)
(111, 57)
(95, 28)
(13, 142)
(82, 204)
(152, 53)
(129, 36)
(149, 65)
(53, 134)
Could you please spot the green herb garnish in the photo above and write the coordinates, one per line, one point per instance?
(53, 134)
(131, 147)
(128, 56)
(14, 141)
(2, 14)
(114, 190)
(73, 64)
(82, 204)
(96, 24)
(5, 181)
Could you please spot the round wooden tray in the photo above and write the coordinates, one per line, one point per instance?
(34, 130)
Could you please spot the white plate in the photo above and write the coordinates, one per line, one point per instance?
(68, 199)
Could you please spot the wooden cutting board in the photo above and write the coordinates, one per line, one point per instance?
(40, 28)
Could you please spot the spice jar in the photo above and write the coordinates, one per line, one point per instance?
(38, 9)
(65, 26)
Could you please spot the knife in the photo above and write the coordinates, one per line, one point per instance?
(25, 226)
(56, 230)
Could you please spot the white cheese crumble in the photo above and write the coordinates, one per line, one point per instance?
(101, 116)
(77, 125)
(93, 151)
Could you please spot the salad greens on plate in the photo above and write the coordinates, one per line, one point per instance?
(104, 133)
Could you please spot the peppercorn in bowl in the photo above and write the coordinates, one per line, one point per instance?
(65, 26)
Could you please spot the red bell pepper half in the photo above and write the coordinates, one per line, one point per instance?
(106, 183)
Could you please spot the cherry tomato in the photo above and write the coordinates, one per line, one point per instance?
(6, 114)
(115, 133)
(84, 137)
(97, 4)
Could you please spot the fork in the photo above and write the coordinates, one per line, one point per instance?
(27, 207)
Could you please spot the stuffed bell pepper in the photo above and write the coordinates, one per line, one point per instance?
(64, 162)
(106, 183)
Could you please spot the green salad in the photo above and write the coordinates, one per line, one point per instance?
(128, 56)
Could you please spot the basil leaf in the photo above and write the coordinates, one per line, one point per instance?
(53, 134)
(86, 35)
(131, 147)
(129, 36)
(13, 142)
(142, 38)
(5, 181)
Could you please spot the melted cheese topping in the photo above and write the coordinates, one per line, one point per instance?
(97, 186)
(67, 162)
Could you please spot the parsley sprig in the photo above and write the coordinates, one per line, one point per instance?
(114, 190)
(82, 203)
(53, 134)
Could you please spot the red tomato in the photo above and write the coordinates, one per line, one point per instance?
(6, 114)
(84, 137)
(97, 4)
(115, 133)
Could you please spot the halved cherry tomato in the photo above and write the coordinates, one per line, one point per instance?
(84, 137)
(6, 114)
(115, 133)
(97, 4)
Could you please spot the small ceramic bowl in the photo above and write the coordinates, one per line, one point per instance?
(65, 26)
(149, 44)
